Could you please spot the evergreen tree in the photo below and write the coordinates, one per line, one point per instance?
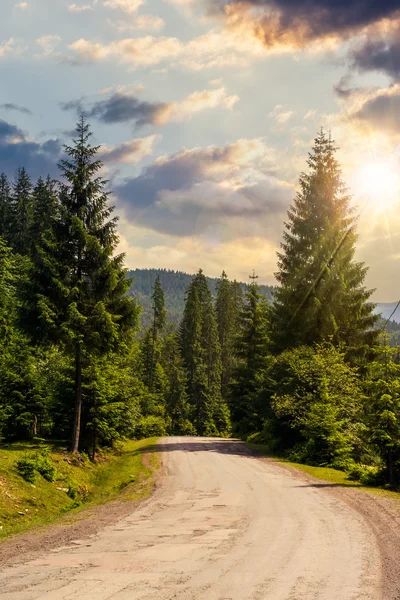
(202, 357)
(77, 289)
(247, 403)
(158, 325)
(21, 217)
(177, 405)
(225, 305)
(45, 208)
(321, 294)
(5, 208)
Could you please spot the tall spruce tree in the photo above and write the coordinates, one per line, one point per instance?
(45, 208)
(252, 347)
(5, 208)
(76, 294)
(202, 357)
(21, 216)
(177, 405)
(159, 319)
(321, 294)
(226, 321)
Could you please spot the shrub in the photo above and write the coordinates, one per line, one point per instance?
(151, 426)
(26, 467)
(39, 462)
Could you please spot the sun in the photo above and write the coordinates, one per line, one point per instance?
(379, 183)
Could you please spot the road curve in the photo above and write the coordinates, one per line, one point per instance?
(221, 526)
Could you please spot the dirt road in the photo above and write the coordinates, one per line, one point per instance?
(221, 526)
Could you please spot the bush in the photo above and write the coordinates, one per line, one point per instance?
(39, 462)
(26, 467)
(151, 426)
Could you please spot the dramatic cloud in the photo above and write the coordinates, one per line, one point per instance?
(129, 152)
(16, 107)
(296, 23)
(200, 191)
(122, 107)
(378, 53)
(381, 111)
(128, 6)
(17, 150)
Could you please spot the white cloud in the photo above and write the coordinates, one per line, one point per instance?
(281, 115)
(48, 43)
(128, 6)
(140, 23)
(22, 5)
(79, 7)
(10, 48)
(196, 102)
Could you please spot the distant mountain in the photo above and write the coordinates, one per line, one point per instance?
(175, 284)
(385, 309)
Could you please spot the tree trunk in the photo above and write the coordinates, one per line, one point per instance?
(78, 400)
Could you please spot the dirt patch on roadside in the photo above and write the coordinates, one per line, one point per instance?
(73, 526)
(382, 516)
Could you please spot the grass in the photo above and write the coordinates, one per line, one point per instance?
(23, 505)
(333, 476)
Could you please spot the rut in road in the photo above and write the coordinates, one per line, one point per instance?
(222, 526)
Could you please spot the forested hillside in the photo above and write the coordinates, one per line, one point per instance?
(310, 373)
(174, 284)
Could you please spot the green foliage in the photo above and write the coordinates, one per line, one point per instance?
(151, 426)
(38, 462)
(201, 354)
(316, 401)
(247, 402)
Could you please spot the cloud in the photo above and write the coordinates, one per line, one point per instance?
(378, 53)
(128, 6)
(17, 150)
(16, 107)
(123, 107)
(144, 51)
(380, 112)
(129, 152)
(206, 190)
(48, 43)
(140, 23)
(280, 115)
(9, 48)
(77, 8)
(214, 50)
(22, 5)
(297, 23)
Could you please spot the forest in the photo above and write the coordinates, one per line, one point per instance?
(308, 372)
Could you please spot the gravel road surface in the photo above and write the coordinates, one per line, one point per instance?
(221, 526)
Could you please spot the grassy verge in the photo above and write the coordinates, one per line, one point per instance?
(24, 505)
(326, 474)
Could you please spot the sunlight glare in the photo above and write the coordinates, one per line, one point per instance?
(380, 183)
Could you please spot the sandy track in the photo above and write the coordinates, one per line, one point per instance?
(222, 526)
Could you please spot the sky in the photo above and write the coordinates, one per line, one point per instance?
(205, 111)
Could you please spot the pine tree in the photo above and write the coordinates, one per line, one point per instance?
(226, 322)
(76, 294)
(159, 318)
(202, 357)
(177, 405)
(5, 208)
(321, 294)
(45, 208)
(21, 217)
(252, 348)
